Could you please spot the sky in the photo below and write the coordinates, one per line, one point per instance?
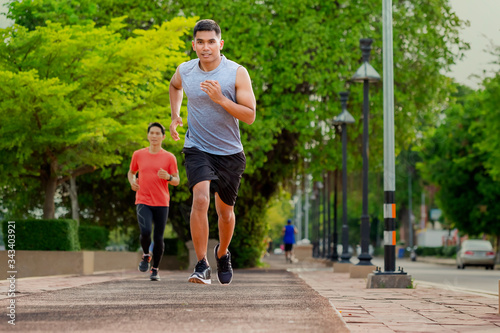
(483, 16)
(484, 29)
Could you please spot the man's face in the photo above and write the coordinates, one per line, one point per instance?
(155, 136)
(207, 46)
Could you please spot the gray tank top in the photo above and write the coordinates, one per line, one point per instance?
(210, 128)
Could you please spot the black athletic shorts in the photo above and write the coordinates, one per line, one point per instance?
(224, 172)
(288, 247)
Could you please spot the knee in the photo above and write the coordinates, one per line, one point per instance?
(158, 239)
(226, 216)
(201, 202)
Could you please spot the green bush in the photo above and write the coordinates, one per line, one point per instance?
(427, 251)
(378, 251)
(176, 247)
(45, 235)
(93, 237)
(440, 251)
(449, 251)
(171, 247)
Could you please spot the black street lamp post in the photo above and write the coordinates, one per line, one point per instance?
(335, 254)
(366, 74)
(343, 119)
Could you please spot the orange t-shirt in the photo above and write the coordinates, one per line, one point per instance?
(153, 190)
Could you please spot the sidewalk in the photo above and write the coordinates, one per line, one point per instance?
(301, 297)
(426, 308)
(258, 300)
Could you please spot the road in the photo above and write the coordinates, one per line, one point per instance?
(472, 278)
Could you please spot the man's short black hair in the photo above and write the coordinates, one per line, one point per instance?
(157, 125)
(289, 221)
(207, 25)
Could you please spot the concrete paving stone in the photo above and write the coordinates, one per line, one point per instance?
(475, 308)
(456, 303)
(349, 307)
(487, 300)
(450, 320)
(408, 318)
(426, 307)
(434, 328)
(361, 319)
(369, 328)
(465, 328)
(382, 309)
(359, 310)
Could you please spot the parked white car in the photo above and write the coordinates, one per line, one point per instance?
(476, 252)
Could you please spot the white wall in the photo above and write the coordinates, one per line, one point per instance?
(431, 238)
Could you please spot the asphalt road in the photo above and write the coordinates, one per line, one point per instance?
(471, 278)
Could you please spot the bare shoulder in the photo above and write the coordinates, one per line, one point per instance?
(243, 78)
(242, 72)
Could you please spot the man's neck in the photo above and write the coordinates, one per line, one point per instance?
(207, 67)
(154, 149)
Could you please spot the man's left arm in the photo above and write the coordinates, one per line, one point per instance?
(245, 107)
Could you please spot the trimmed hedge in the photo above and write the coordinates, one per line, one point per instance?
(171, 246)
(45, 235)
(93, 237)
(440, 251)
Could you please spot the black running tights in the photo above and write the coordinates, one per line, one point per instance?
(147, 216)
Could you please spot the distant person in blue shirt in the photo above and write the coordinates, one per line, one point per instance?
(288, 233)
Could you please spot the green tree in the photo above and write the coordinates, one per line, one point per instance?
(140, 14)
(452, 160)
(488, 101)
(74, 97)
(300, 54)
(280, 209)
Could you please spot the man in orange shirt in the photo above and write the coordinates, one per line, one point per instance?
(157, 168)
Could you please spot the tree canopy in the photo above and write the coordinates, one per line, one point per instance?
(453, 159)
(300, 55)
(74, 97)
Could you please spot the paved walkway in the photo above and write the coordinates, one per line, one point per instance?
(301, 297)
(426, 308)
(258, 300)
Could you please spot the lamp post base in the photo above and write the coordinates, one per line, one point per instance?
(389, 280)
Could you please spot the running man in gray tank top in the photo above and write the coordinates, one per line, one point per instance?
(220, 95)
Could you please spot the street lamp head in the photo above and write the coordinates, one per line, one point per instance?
(365, 44)
(344, 117)
(366, 71)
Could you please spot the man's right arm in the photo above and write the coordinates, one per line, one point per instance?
(175, 93)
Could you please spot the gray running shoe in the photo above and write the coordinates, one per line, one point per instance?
(154, 275)
(144, 264)
(202, 273)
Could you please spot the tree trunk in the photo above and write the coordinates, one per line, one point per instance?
(73, 194)
(50, 191)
